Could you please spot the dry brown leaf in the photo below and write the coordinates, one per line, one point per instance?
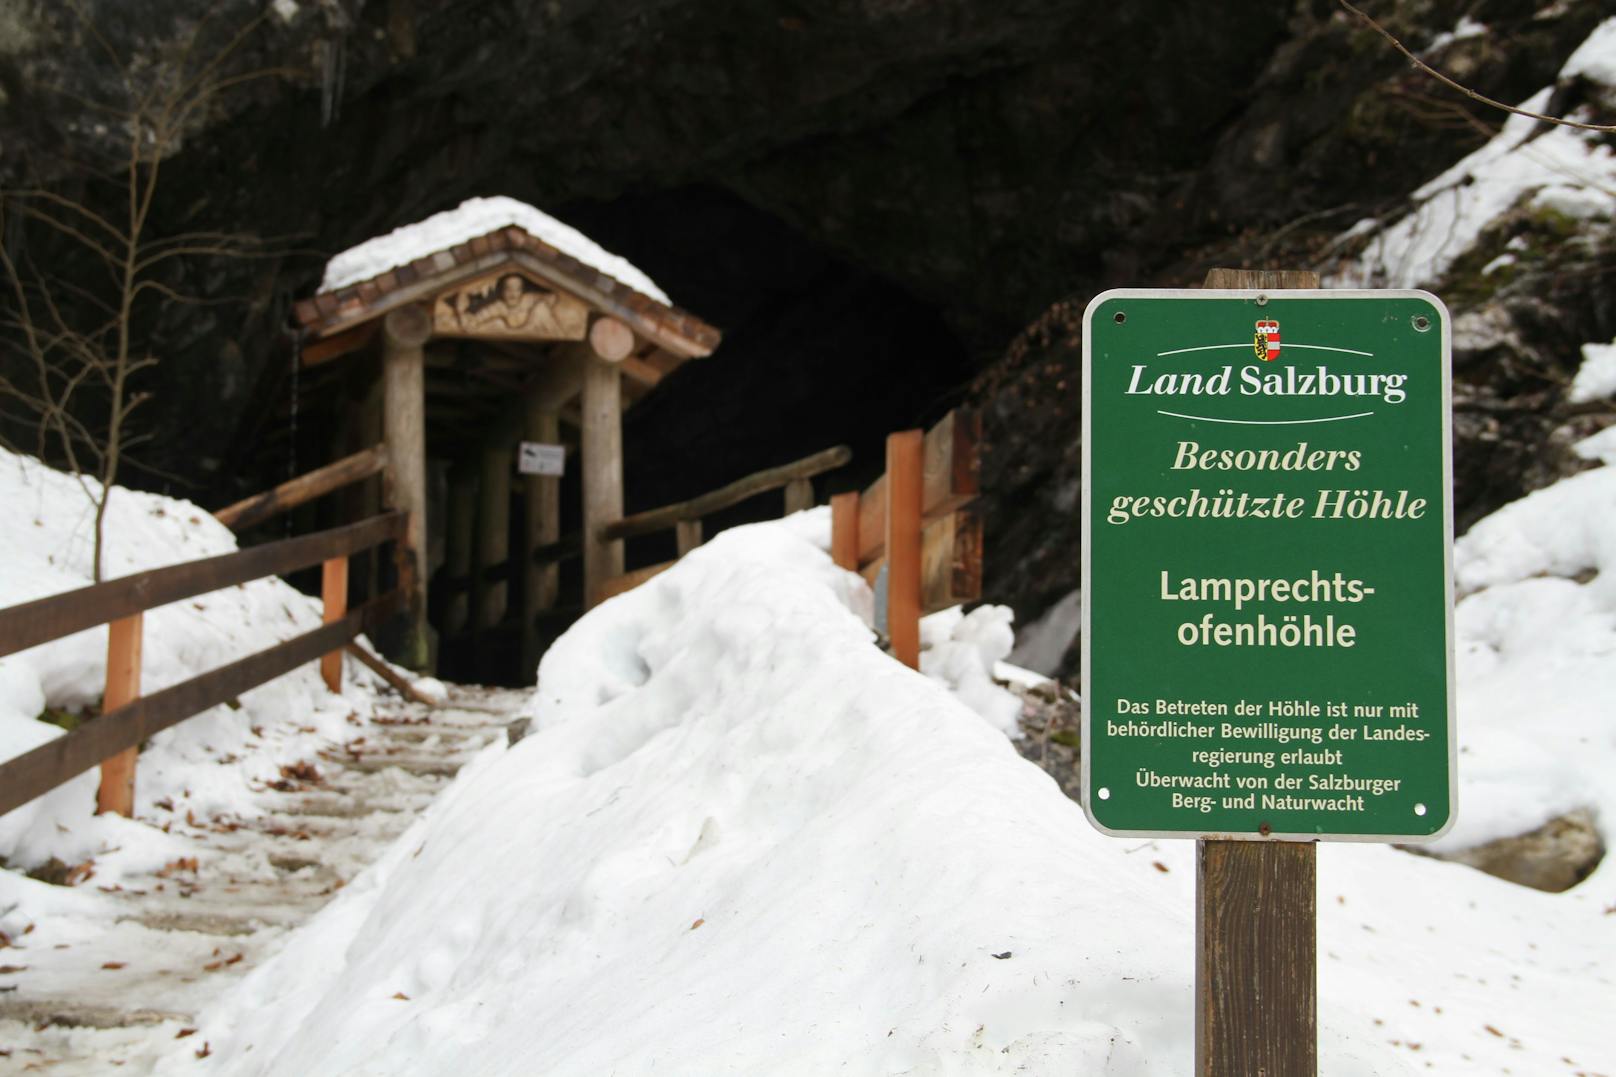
(699, 921)
(114, 965)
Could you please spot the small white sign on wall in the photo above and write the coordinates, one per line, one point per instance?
(537, 458)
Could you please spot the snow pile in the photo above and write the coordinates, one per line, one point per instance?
(1537, 729)
(207, 765)
(742, 840)
(1555, 169)
(963, 651)
(1596, 377)
(472, 218)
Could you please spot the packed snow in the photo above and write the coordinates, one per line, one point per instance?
(741, 839)
(472, 218)
(1554, 169)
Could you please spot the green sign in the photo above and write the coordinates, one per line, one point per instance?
(1267, 582)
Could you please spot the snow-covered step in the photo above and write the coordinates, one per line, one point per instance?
(165, 942)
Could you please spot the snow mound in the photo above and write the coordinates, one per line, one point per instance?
(1558, 169)
(1537, 731)
(207, 765)
(472, 218)
(742, 840)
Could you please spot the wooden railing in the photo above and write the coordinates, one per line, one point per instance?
(685, 517)
(294, 492)
(130, 718)
(915, 524)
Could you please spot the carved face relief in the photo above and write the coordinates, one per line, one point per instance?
(510, 307)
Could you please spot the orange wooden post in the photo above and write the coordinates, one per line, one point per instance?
(117, 792)
(905, 484)
(844, 522)
(334, 593)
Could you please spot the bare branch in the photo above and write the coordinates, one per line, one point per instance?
(1467, 91)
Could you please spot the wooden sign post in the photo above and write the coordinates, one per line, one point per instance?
(1267, 626)
(1256, 915)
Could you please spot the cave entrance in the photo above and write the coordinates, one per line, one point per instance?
(493, 351)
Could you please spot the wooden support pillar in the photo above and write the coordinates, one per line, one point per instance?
(687, 533)
(610, 342)
(905, 486)
(405, 332)
(539, 582)
(844, 530)
(458, 539)
(1256, 950)
(124, 637)
(369, 496)
(334, 594)
(799, 495)
(493, 529)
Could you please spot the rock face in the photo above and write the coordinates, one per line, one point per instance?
(870, 196)
(1555, 857)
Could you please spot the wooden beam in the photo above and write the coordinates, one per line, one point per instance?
(905, 456)
(952, 462)
(315, 352)
(386, 672)
(638, 370)
(616, 585)
(602, 475)
(459, 536)
(540, 582)
(116, 793)
(611, 340)
(350, 469)
(334, 600)
(950, 561)
(844, 521)
(405, 332)
(687, 535)
(644, 523)
(54, 616)
(26, 776)
(493, 528)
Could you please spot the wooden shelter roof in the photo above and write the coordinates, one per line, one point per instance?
(341, 310)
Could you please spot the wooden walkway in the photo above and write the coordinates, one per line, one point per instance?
(183, 935)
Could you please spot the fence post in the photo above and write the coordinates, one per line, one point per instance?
(687, 534)
(117, 792)
(334, 594)
(799, 495)
(844, 522)
(905, 492)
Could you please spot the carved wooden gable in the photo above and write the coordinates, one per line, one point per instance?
(509, 306)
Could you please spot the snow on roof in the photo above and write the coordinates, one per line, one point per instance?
(472, 218)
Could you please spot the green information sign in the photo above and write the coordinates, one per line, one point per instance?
(1267, 581)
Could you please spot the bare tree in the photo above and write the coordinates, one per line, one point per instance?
(78, 341)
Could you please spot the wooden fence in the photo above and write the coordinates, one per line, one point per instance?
(685, 517)
(128, 718)
(915, 523)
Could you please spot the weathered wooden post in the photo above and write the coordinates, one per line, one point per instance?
(543, 526)
(799, 495)
(405, 332)
(610, 342)
(493, 527)
(334, 596)
(124, 637)
(459, 533)
(1256, 950)
(905, 494)
(687, 535)
(844, 530)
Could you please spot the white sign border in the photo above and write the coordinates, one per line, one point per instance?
(1250, 295)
